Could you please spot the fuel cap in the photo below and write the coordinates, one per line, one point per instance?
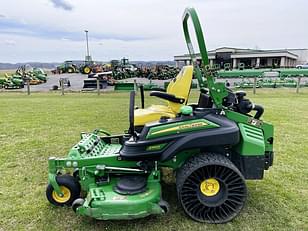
(186, 110)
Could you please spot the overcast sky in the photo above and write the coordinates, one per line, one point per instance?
(53, 30)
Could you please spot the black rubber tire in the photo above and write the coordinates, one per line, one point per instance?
(70, 70)
(76, 174)
(69, 182)
(219, 208)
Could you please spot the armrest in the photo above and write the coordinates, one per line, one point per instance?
(167, 96)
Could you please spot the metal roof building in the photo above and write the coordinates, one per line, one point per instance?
(251, 58)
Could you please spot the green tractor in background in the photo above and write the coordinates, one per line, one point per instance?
(66, 67)
(123, 69)
(86, 68)
(212, 145)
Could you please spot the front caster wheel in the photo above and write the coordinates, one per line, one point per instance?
(210, 188)
(70, 189)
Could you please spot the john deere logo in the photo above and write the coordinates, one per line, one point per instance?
(193, 125)
(210, 187)
(177, 128)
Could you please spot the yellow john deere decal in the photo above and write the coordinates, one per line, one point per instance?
(181, 127)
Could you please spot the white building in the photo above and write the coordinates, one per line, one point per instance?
(252, 58)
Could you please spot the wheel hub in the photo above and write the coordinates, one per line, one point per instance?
(66, 194)
(87, 70)
(210, 187)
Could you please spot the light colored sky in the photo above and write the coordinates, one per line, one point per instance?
(53, 30)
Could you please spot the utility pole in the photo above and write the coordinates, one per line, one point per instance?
(87, 41)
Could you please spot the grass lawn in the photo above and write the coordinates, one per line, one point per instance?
(47, 124)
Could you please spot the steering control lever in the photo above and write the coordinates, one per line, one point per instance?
(259, 110)
(245, 105)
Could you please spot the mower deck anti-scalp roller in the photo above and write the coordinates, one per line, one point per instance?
(212, 145)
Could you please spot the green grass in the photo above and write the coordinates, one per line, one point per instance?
(42, 125)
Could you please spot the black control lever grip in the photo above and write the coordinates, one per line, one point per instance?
(259, 110)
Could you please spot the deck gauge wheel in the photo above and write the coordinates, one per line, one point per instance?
(70, 189)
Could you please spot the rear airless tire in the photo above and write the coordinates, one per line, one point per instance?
(210, 188)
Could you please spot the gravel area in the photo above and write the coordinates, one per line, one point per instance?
(77, 79)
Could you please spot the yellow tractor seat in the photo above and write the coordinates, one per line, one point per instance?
(176, 95)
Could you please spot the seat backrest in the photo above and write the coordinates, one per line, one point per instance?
(180, 87)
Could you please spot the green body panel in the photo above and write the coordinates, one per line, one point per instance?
(267, 128)
(180, 127)
(268, 133)
(105, 204)
(252, 141)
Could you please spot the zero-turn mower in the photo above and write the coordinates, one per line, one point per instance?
(213, 146)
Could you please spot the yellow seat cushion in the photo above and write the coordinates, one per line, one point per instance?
(152, 113)
(180, 87)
